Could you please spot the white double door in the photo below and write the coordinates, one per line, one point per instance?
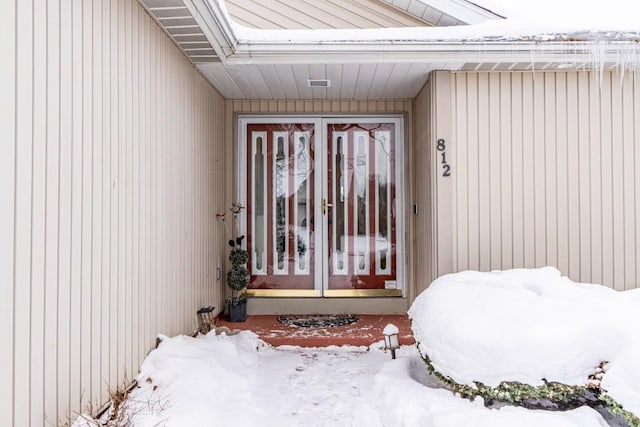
(324, 205)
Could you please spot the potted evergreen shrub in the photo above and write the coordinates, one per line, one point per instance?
(237, 280)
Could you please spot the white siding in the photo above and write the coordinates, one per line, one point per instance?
(112, 167)
(545, 172)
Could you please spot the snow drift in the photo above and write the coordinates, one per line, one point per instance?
(530, 326)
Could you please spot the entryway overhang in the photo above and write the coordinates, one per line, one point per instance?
(393, 63)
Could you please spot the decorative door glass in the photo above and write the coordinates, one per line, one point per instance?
(362, 214)
(280, 191)
(322, 224)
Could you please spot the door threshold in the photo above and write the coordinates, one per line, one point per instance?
(380, 305)
(284, 293)
(330, 293)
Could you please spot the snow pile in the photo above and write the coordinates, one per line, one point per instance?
(409, 398)
(390, 329)
(529, 326)
(198, 381)
(622, 379)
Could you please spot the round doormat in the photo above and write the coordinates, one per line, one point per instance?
(318, 320)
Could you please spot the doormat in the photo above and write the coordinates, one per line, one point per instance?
(318, 320)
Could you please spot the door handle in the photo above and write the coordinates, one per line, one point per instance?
(325, 205)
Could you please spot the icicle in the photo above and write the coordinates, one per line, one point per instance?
(625, 56)
(532, 58)
(621, 66)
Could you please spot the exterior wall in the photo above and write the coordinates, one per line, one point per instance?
(545, 171)
(328, 108)
(311, 107)
(423, 198)
(301, 14)
(110, 171)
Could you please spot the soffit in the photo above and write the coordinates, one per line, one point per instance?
(352, 81)
(347, 81)
(177, 21)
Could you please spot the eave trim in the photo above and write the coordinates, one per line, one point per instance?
(219, 29)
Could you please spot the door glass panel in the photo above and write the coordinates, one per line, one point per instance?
(361, 213)
(362, 225)
(280, 171)
(339, 214)
(342, 203)
(259, 187)
(382, 205)
(280, 195)
(302, 172)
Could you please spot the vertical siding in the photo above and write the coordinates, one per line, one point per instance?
(311, 107)
(545, 172)
(112, 168)
(423, 196)
(8, 38)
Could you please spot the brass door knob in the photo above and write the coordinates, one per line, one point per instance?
(325, 205)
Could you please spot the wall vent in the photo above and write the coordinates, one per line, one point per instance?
(319, 83)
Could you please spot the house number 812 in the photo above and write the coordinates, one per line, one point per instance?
(446, 167)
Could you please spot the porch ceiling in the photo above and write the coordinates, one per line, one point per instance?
(351, 81)
(347, 81)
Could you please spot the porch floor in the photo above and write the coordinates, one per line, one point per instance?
(364, 332)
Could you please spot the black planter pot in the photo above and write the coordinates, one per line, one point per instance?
(237, 312)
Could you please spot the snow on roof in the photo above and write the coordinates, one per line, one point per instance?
(568, 16)
(507, 30)
(611, 13)
(544, 36)
(542, 20)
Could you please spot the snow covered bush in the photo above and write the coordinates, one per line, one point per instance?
(523, 335)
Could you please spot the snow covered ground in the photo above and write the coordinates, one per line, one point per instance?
(521, 325)
(239, 380)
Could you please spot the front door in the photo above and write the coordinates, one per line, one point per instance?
(323, 205)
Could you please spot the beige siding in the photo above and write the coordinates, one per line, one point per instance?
(545, 172)
(423, 198)
(318, 107)
(111, 165)
(302, 14)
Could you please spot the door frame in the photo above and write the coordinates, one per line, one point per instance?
(321, 122)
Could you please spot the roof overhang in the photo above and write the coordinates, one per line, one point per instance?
(406, 45)
(215, 24)
(243, 55)
(421, 52)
